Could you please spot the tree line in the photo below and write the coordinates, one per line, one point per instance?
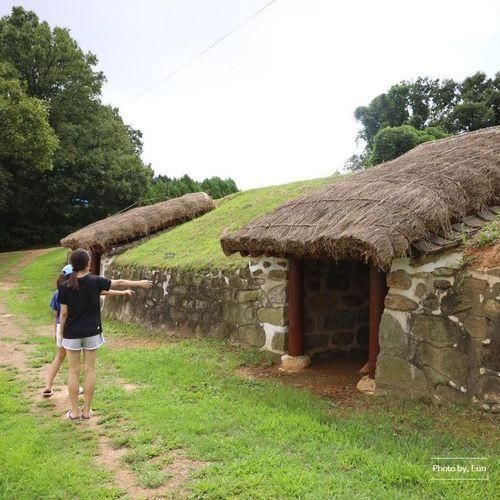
(413, 112)
(164, 187)
(66, 159)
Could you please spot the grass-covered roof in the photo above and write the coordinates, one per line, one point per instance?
(195, 245)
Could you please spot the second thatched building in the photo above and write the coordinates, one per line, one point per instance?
(114, 234)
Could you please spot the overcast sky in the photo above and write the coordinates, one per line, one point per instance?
(273, 102)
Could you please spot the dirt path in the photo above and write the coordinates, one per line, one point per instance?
(15, 353)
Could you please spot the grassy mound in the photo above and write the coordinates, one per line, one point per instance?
(195, 244)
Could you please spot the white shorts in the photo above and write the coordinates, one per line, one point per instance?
(85, 343)
(58, 336)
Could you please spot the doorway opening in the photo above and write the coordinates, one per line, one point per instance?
(337, 316)
(334, 312)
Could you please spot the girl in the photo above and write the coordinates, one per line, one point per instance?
(61, 352)
(81, 325)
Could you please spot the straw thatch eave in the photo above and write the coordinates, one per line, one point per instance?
(138, 223)
(378, 214)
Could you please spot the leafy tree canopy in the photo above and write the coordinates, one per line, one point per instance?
(391, 142)
(28, 142)
(424, 105)
(82, 162)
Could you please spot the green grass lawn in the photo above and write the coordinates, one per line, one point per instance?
(42, 456)
(196, 244)
(257, 438)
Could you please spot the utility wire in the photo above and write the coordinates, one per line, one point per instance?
(203, 52)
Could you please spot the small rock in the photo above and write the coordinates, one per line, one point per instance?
(475, 284)
(294, 363)
(399, 279)
(400, 303)
(443, 271)
(442, 284)
(366, 385)
(273, 315)
(420, 290)
(276, 275)
(495, 408)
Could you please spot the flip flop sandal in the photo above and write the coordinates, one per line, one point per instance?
(47, 393)
(71, 417)
(89, 416)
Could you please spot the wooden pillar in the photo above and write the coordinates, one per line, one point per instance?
(296, 308)
(95, 262)
(378, 291)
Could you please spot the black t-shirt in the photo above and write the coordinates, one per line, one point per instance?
(84, 306)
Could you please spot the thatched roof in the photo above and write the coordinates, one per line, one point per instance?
(377, 214)
(139, 222)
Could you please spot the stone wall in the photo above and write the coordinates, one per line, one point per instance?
(440, 332)
(245, 306)
(335, 306)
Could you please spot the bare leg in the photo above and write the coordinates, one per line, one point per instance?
(89, 370)
(54, 367)
(73, 381)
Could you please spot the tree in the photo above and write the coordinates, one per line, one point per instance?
(97, 169)
(24, 127)
(421, 104)
(391, 142)
(28, 142)
(425, 104)
(50, 62)
(218, 188)
(165, 188)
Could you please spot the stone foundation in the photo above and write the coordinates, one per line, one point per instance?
(246, 306)
(440, 332)
(335, 306)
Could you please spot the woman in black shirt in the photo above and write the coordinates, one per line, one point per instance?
(81, 325)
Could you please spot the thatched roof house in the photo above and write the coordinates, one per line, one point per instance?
(378, 214)
(137, 223)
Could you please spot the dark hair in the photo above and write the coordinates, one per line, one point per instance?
(79, 259)
(62, 278)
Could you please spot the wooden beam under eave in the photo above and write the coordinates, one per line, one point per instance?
(296, 307)
(95, 262)
(377, 293)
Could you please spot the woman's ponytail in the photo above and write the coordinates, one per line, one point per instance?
(73, 281)
(79, 259)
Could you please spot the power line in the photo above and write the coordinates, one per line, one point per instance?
(203, 52)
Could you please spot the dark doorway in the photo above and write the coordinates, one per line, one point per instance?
(336, 306)
(342, 304)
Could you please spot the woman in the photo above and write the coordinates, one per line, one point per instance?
(81, 325)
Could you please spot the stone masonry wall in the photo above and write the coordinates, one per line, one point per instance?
(335, 306)
(440, 332)
(246, 306)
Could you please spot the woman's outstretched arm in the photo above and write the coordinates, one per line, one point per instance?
(110, 293)
(131, 284)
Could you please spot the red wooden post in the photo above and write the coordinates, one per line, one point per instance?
(296, 308)
(378, 291)
(95, 262)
